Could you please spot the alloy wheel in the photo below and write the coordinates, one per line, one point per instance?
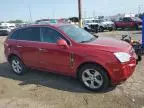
(92, 78)
(16, 66)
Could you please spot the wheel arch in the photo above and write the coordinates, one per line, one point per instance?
(93, 63)
(12, 55)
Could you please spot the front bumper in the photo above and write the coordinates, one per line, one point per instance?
(121, 72)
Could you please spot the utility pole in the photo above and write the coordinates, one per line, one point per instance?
(80, 12)
(139, 9)
(30, 13)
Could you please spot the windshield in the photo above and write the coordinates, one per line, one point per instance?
(136, 19)
(88, 21)
(96, 21)
(77, 34)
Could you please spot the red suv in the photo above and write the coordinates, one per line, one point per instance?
(67, 49)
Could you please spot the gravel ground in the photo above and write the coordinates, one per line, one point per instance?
(45, 90)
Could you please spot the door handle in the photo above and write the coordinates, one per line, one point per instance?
(43, 50)
(19, 46)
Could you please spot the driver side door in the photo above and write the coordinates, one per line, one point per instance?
(53, 57)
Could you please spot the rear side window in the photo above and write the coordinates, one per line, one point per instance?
(30, 34)
(14, 35)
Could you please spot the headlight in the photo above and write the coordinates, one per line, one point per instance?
(122, 56)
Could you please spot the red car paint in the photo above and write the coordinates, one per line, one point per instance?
(129, 22)
(54, 58)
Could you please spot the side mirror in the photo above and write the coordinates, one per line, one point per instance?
(62, 43)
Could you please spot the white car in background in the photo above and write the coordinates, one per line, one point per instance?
(98, 25)
(9, 25)
(4, 30)
(91, 25)
(108, 25)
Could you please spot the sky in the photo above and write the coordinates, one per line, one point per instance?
(19, 9)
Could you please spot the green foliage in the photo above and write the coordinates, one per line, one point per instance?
(141, 15)
(74, 19)
(15, 21)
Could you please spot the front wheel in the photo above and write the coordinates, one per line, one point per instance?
(94, 77)
(136, 27)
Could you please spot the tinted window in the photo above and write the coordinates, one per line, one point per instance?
(14, 35)
(31, 34)
(50, 35)
(127, 19)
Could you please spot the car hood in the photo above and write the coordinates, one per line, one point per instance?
(109, 44)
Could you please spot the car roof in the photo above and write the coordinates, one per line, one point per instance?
(44, 25)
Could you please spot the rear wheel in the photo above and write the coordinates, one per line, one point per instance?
(110, 29)
(101, 29)
(94, 77)
(136, 27)
(17, 66)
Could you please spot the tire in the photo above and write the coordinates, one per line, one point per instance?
(90, 75)
(115, 28)
(101, 29)
(139, 58)
(110, 29)
(136, 27)
(17, 66)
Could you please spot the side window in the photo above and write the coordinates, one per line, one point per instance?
(129, 19)
(125, 19)
(14, 35)
(30, 34)
(50, 35)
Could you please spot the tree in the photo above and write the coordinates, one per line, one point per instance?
(141, 15)
(1, 22)
(74, 19)
(15, 21)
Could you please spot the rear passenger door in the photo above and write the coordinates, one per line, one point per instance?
(28, 44)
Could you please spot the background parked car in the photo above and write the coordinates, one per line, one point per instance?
(108, 25)
(90, 25)
(98, 25)
(9, 25)
(129, 22)
(4, 30)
